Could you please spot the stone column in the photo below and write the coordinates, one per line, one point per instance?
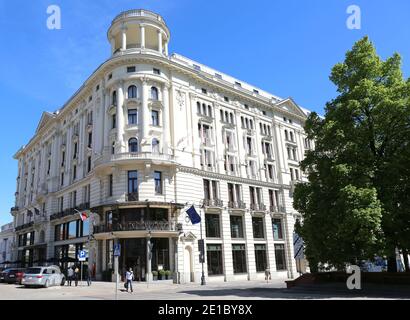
(145, 141)
(112, 41)
(124, 38)
(166, 49)
(250, 247)
(142, 36)
(120, 118)
(160, 42)
(165, 118)
(148, 275)
(106, 119)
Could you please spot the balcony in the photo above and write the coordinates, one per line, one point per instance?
(277, 209)
(213, 203)
(40, 219)
(258, 207)
(24, 226)
(70, 212)
(130, 157)
(240, 205)
(14, 209)
(132, 197)
(139, 226)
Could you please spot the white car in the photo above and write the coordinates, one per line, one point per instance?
(43, 277)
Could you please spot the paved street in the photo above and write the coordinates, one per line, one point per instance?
(253, 290)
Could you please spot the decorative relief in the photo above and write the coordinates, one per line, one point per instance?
(181, 99)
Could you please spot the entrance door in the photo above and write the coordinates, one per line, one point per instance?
(188, 265)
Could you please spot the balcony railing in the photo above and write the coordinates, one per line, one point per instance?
(134, 156)
(216, 203)
(70, 212)
(24, 226)
(134, 196)
(258, 207)
(237, 205)
(139, 226)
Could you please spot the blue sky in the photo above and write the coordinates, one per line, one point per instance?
(286, 47)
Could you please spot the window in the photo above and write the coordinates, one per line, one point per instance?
(237, 227)
(218, 76)
(59, 232)
(157, 71)
(133, 145)
(270, 172)
(239, 258)
(85, 228)
(48, 166)
(62, 178)
(110, 76)
(212, 226)
(246, 107)
(280, 257)
(97, 88)
(155, 118)
(214, 259)
(132, 182)
(207, 190)
(258, 230)
(113, 121)
(204, 91)
(110, 185)
(75, 150)
(238, 84)
(255, 91)
(226, 99)
(249, 146)
(114, 98)
(113, 148)
(158, 182)
(132, 92)
(131, 69)
(196, 67)
(154, 93)
(277, 229)
(74, 172)
(90, 140)
(155, 145)
(260, 258)
(72, 230)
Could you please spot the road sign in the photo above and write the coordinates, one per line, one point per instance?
(117, 250)
(82, 255)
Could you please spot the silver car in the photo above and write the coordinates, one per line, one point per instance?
(43, 277)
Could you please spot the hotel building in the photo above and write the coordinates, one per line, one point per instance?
(146, 137)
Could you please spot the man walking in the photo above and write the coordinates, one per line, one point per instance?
(70, 274)
(88, 277)
(129, 277)
(76, 276)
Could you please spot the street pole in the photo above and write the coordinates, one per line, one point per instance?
(203, 256)
(81, 276)
(116, 276)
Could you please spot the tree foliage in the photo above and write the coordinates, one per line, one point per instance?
(357, 201)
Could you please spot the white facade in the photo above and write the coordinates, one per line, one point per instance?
(6, 243)
(139, 143)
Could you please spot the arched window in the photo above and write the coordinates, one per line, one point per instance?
(155, 145)
(133, 145)
(198, 107)
(132, 92)
(232, 121)
(286, 135)
(114, 98)
(154, 93)
(209, 111)
(291, 136)
(204, 109)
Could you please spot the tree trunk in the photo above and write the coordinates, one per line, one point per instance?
(406, 260)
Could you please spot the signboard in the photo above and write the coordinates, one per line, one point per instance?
(299, 247)
(117, 250)
(82, 256)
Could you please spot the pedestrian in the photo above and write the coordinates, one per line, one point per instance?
(70, 275)
(88, 276)
(76, 274)
(129, 277)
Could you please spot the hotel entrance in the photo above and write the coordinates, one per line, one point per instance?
(134, 255)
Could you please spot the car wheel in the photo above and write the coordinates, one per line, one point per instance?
(47, 284)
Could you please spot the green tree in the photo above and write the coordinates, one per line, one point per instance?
(356, 203)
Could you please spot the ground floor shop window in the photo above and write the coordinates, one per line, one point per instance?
(239, 258)
(260, 257)
(214, 259)
(280, 257)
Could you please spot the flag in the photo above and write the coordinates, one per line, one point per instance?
(37, 211)
(193, 215)
(83, 215)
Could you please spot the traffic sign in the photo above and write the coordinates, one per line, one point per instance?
(117, 250)
(82, 255)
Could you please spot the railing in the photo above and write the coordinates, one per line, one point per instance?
(40, 219)
(138, 13)
(70, 212)
(134, 196)
(217, 203)
(139, 226)
(237, 205)
(14, 209)
(24, 226)
(258, 207)
(134, 156)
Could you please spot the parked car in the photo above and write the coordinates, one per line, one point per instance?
(43, 277)
(14, 275)
(3, 275)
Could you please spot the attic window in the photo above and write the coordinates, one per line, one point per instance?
(217, 75)
(131, 69)
(226, 99)
(204, 91)
(238, 84)
(157, 71)
(255, 91)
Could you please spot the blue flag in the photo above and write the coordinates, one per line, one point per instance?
(193, 215)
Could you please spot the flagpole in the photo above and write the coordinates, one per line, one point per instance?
(203, 256)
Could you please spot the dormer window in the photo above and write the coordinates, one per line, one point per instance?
(196, 67)
(226, 99)
(131, 69)
(204, 91)
(255, 91)
(157, 71)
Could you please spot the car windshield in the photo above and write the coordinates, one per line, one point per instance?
(33, 271)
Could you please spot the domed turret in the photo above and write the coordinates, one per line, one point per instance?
(139, 31)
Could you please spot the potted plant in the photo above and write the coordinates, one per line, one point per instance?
(161, 274)
(168, 274)
(155, 275)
